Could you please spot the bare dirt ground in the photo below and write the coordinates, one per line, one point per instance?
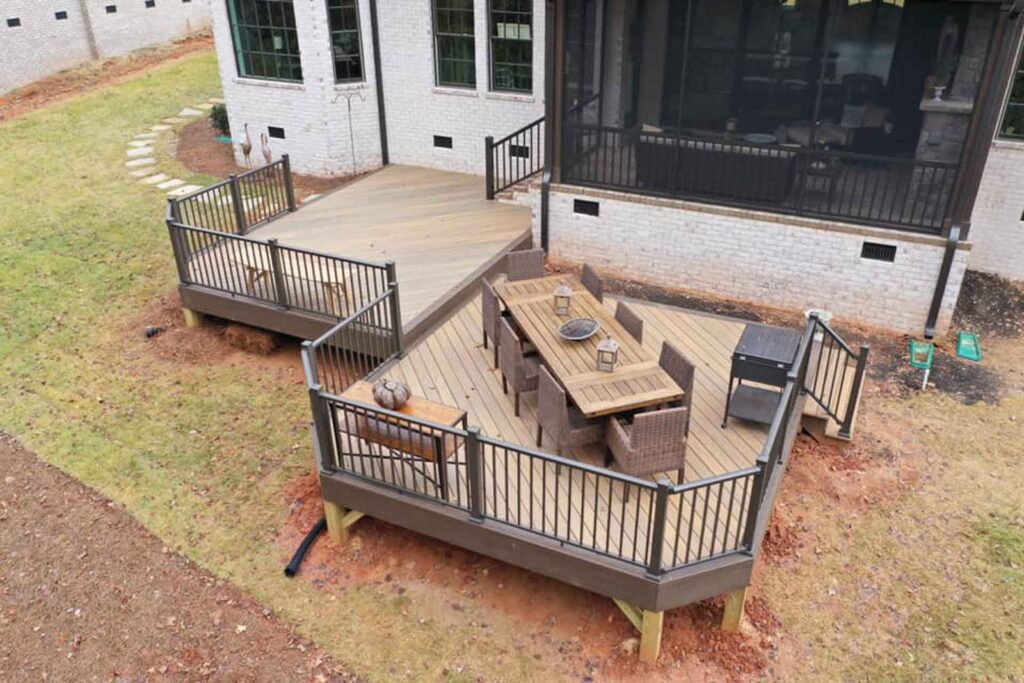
(200, 151)
(79, 80)
(86, 593)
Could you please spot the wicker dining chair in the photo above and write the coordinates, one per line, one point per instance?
(655, 442)
(525, 265)
(592, 282)
(682, 371)
(564, 425)
(628, 318)
(518, 370)
(491, 314)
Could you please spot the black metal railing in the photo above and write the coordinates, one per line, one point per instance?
(835, 375)
(904, 194)
(514, 158)
(241, 202)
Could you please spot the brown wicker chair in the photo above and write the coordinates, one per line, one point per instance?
(655, 442)
(682, 371)
(628, 318)
(517, 369)
(491, 314)
(564, 424)
(592, 282)
(525, 265)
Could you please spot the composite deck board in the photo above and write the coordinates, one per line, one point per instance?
(437, 226)
(451, 366)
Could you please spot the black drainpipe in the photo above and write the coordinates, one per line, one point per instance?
(549, 119)
(952, 242)
(381, 118)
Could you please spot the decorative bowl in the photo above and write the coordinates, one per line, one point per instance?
(390, 393)
(578, 329)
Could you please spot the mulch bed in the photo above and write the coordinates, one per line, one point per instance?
(990, 305)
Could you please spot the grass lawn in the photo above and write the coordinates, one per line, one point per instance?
(923, 584)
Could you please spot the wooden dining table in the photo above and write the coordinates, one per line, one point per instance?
(637, 381)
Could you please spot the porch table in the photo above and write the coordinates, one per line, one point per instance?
(637, 381)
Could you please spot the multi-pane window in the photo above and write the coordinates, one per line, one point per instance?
(1013, 117)
(512, 45)
(266, 42)
(454, 44)
(343, 16)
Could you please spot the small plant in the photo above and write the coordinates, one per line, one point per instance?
(219, 118)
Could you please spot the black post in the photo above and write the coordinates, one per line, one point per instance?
(236, 202)
(658, 532)
(754, 506)
(396, 309)
(322, 439)
(489, 165)
(474, 470)
(278, 273)
(289, 185)
(180, 258)
(846, 430)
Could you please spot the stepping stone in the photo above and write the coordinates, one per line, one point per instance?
(205, 105)
(188, 111)
(143, 172)
(140, 143)
(159, 127)
(136, 163)
(154, 179)
(184, 190)
(216, 100)
(139, 151)
(147, 136)
(169, 184)
(175, 119)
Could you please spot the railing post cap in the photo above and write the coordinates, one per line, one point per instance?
(272, 240)
(474, 430)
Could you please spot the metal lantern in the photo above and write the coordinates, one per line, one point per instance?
(563, 299)
(607, 354)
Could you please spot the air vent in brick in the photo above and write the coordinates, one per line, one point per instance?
(60, 15)
(585, 207)
(442, 141)
(14, 22)
(878, 252)
(275, 132)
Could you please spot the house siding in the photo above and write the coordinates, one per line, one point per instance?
(756, 257)
(42, 45)
(997, 223)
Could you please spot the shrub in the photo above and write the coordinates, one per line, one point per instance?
(219, 117)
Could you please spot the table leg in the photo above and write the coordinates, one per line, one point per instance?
(728, 399)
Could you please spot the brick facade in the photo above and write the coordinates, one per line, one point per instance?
(43, 44)
(997, 224)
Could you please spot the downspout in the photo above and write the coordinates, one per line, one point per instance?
(550, 12)
(377, 73)
(977, 147)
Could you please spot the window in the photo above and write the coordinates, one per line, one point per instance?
(266, 42)
(343, 17)
(1013, 118)
(512, 45)
(60, 15)
(454, 45)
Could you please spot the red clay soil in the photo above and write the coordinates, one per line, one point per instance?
(200, 151)
(86, 593)
(93, 75)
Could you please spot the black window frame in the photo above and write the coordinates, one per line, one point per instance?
(341, 6)
(447, 37)
(1014, 101)
(261, 27)
(497, 45)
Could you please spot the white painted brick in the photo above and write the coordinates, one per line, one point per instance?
(997, 230)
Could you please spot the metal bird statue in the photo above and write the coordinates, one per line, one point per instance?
(268, 155)
(247, 145)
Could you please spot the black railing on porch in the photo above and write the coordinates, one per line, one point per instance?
(904, 194)
(514, 158)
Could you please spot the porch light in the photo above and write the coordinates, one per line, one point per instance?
(607, 354)
(563, 299)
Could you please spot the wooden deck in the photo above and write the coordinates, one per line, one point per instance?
(451, 366)
(436, 226)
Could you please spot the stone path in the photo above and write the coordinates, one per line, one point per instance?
(141, 160)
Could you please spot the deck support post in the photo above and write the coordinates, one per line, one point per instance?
(733, 616)
(336, 528)
(650, 636)
(192, 318)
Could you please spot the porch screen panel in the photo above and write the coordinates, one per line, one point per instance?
(512, 45)
(454, 43)
(343, 16)
(265, 39)
(1013, 118)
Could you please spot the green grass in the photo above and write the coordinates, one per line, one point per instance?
(200, 453)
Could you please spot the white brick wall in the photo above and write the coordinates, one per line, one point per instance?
(42, 45)
(314, 113)
(761, 258)
(997, 228)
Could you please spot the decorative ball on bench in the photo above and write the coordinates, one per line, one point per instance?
(390, 393)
